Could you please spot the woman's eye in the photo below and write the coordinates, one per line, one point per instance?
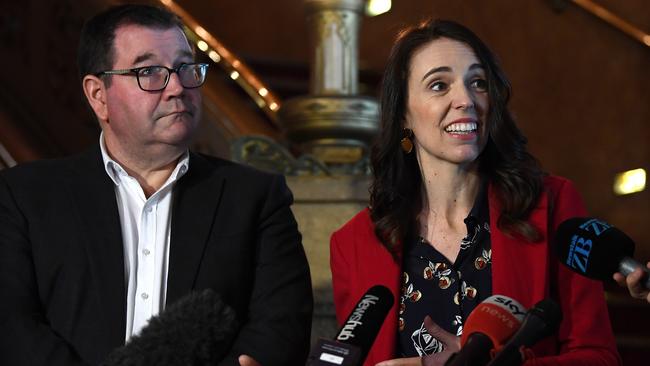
(479, 84)
(438, 86)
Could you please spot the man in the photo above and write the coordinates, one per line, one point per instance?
(92, 246)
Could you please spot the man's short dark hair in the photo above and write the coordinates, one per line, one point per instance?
(96, 51)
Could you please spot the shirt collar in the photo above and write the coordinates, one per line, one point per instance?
(116, 172)
(479, 211)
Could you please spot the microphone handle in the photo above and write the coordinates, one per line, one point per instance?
(475, 352)
(628, 265)
(509, 356)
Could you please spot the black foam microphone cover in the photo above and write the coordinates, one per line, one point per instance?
(592, 247)
(541, 321)
(198, 329)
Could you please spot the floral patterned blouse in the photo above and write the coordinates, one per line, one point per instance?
(447, 292)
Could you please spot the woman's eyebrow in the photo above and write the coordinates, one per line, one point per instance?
(435, 70)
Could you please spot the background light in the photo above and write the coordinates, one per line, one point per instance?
(376, 7)
(631, 181)
(214, 56)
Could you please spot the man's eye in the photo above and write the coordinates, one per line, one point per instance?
(148, 71)
(479, 85)
(438, 86)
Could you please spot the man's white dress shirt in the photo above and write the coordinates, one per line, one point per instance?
(146, 228)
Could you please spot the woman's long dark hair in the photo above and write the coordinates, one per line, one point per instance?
(395, 194)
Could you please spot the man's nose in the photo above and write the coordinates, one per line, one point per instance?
(174, 86)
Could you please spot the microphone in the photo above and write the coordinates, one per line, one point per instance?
(541, 321)
(596, 249)
(358, 333)
(198, 329)
(487, 327)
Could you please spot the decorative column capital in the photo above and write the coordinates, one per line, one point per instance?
(322, 5)
(333, 123)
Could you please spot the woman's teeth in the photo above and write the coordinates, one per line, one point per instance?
(462, 127)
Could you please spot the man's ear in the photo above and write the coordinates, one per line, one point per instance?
(95, 92)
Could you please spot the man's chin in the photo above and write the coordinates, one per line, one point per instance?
(179, 134)
(184, 117)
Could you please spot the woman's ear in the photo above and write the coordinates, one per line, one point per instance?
(405, 122)
(95, 91)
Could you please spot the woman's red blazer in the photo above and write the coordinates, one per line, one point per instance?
(527, 272)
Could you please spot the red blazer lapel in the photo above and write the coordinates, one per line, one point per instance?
(520, 268)
(359, 261)
(390, 276)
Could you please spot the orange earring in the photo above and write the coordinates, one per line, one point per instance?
(407, 140)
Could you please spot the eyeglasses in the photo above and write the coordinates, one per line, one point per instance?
(155, 78)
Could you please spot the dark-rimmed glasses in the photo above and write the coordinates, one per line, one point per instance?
(156, 78)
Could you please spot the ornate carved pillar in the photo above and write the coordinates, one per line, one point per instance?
(333, 123)
(335, 27)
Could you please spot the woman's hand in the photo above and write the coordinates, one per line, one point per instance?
(450, 342)
(634, 284)
(411, 361)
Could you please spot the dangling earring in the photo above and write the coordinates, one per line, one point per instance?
(407, 142)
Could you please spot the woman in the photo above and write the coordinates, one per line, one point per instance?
(459, 210)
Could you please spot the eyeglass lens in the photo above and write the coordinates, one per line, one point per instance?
(155, 77)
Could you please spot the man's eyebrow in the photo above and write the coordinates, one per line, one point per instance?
(143, 57)
(148, 56)
(186, 53)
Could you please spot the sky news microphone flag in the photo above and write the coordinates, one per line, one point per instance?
(487, 327)
(541, 321)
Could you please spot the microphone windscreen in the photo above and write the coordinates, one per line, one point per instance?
(198, 329)
(592, 247)
(361, 327)
(550, 313)
(497, 317)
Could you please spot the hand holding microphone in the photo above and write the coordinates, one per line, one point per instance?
(635, 282)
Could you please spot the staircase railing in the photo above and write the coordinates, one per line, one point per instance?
(235, 67)
(614, 20)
